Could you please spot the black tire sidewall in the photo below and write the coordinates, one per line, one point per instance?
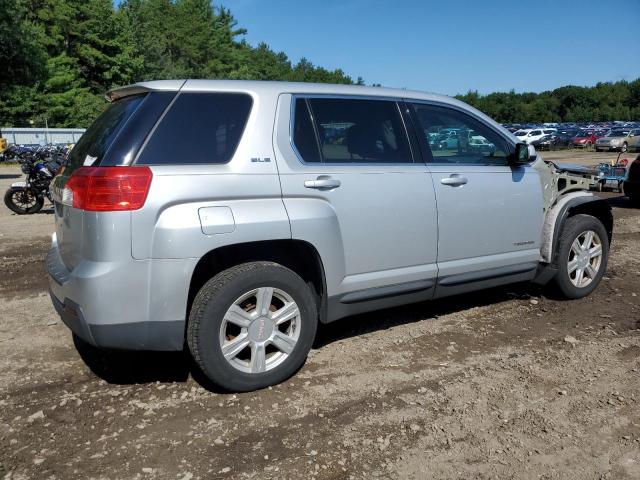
(8, 201)
(573, 227)
(218, 294)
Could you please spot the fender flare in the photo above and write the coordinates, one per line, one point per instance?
(557, 216)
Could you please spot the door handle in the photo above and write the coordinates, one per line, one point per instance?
(454, 180)
(322, 183)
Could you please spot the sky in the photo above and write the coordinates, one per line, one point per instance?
(453, 46)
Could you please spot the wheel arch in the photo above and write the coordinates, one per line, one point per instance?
(297, 255)
(573, 204)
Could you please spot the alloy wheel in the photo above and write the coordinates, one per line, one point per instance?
(260, 330)
(24, 199)
(585, 258)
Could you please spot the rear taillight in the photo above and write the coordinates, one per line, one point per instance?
(107, 189)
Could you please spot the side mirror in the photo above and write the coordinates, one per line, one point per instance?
(521, 155)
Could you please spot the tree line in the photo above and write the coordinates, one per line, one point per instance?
(59, 57)
(602, 102)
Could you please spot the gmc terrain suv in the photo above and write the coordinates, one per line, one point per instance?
(234, 216)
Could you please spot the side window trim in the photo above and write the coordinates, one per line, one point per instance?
(307, 97)
(155, 126)
(426, 150)
(316, 135)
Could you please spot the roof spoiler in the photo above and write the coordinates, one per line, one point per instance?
(137, 88)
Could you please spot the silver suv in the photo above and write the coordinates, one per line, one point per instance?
(233, 217)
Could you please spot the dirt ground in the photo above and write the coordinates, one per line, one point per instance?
(507, 383)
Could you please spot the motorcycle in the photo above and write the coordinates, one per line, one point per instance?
(28, 197)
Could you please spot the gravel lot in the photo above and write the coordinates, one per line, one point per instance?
(507, 383)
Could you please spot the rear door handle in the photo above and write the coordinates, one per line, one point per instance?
(454, 181)
(322, 183)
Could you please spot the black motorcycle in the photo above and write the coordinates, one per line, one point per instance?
(28, 196)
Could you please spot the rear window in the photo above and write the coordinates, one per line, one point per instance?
(95, 142)
(199, 128)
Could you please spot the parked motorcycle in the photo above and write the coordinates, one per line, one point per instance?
(28, 196)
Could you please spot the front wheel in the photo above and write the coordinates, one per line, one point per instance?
(582, 256)
(23, 201)
(252, 326)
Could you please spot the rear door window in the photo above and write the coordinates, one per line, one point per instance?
(304, 137)
(199, 128)
(359, 131)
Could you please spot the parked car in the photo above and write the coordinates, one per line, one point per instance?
(553, 141)
(220, 215)
(529, 136)
(631, 186)
(585, 139)
(477, 143)
(620, 139)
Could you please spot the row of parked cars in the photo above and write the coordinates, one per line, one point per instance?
(616, 138)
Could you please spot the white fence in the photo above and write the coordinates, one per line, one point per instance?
(41, 136)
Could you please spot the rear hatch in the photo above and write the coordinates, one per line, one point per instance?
(112, 140)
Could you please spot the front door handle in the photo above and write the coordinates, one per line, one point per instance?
(322, 183)
(454, 180)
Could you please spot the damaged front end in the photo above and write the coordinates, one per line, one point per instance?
(558, 180)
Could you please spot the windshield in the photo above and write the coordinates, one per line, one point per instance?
(582, 135)
(618, 133)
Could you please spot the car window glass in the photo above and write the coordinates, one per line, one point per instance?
(199, 128)
(360, 131)
(94, 143)
(472, 143)
(304, 138)
(535, 132)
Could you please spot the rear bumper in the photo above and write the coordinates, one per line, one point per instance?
(108, 304)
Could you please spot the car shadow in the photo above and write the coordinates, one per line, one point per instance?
(384, 319)
(622, 201)
(140, 367)
(134, 367)
(44, 211)
(4, 176)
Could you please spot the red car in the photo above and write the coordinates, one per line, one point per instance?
(586, 139)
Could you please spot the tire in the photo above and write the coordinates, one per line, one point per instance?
(235, 294)
(575, 229)
(598, 150)
(13, 202)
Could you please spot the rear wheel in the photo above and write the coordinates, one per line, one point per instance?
(582, 256)
(23, 201)
(252, 326)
